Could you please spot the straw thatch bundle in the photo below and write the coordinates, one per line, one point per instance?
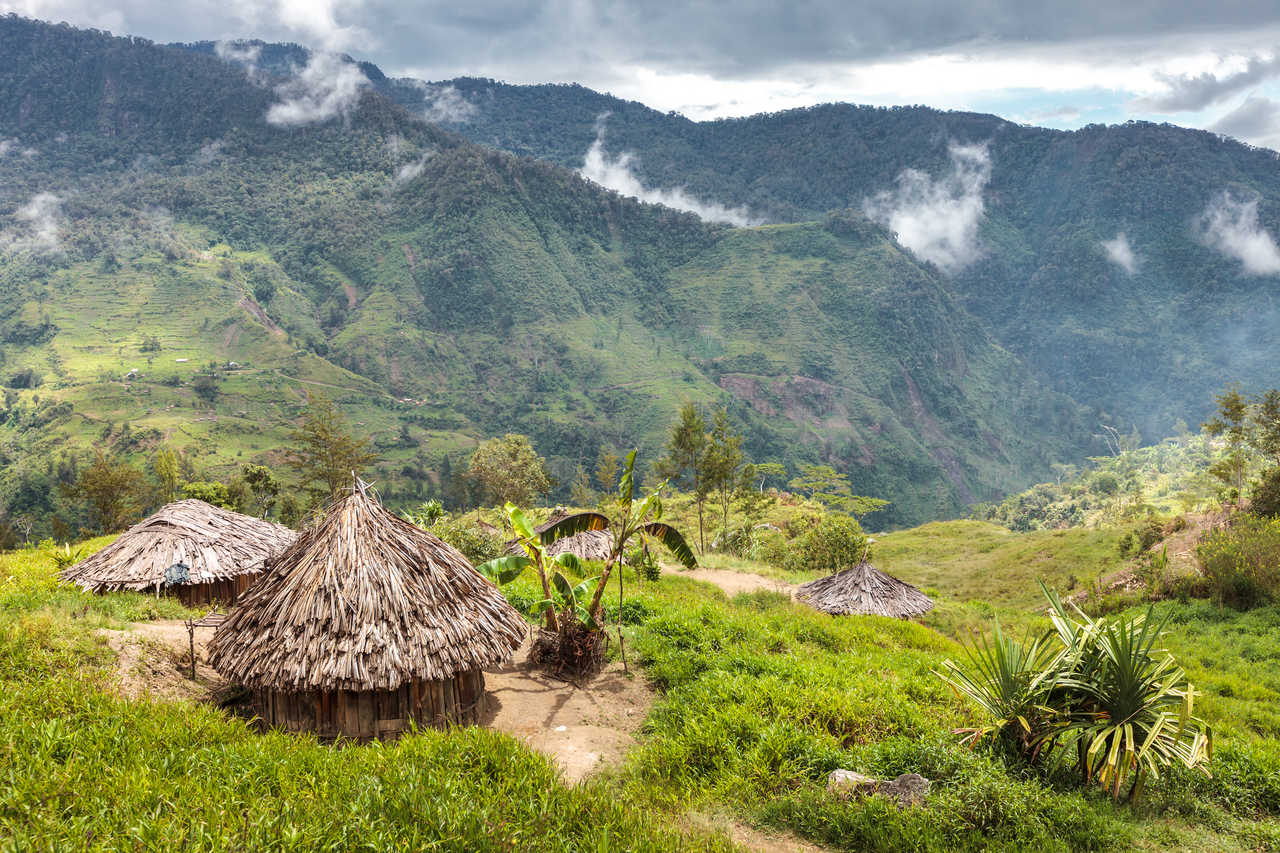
(204, 543)
(587, 545)
(864, 590)
(364, 601)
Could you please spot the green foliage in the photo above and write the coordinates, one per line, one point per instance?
(263, 486)
(209, 492)
(508, 470)
(835, 543)
(1264, 500)
(830, 488)
(1096, 689)
(475, 543)
(1241, 563)
(325, 453)
(112, 491)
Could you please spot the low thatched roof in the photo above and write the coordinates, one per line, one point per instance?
(587, 545)
(864, 590)
(188, 539)
(365, 601)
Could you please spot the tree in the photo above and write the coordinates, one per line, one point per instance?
(111, 490)
(766, 471)
(165, 466)
(1265, 420)
(830, 488)
(580, 491)
(209, 491)
(1232, 424)
(722, 464)
(685, 462)
(263, 487)
(326, 455)
(606, 471)
(508, 470)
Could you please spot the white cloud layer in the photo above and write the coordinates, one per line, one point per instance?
(39, 221)
(1230, 225)
(446, 105)
(1120, 253)
(327, 87)
(938, 219)
(615, 173)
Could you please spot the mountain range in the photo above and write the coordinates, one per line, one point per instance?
(940, 304)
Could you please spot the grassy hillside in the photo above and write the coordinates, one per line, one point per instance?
(759, 699)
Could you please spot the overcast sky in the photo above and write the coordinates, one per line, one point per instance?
(1200, 63)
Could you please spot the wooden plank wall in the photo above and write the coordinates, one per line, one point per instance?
(382, 714)
(220, 592)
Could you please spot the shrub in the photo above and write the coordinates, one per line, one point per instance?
(1265, 498)
(476, 545)
(836, 542)
(1241, 563)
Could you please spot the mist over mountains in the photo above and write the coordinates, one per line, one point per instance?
(942, 304)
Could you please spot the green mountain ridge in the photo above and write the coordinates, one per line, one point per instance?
(475, 293)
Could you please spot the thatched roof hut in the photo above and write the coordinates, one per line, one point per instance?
(587, 545)
(864, 590)
(365, 627)
(199, 552)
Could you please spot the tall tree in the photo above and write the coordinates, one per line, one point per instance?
(685, 462)
(722, 464)
(509, 470)
(111, 490)
(1231, 423)
(325, 453)
(831, 488)
(1266, 424)
(263, 487)
(164, 464)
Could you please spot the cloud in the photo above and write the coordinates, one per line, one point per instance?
(446, 105)
(39, 221)
(326, 87)
(938, 219)
(6, 145)
(1188, 92)
(1120, 253)
(615, 173)
(1256, 121)
(1230, 225)
(241, 53)
(209, 152)
(409, 171)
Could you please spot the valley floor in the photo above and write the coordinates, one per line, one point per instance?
(739, 703)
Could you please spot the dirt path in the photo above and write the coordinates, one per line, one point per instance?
(761, 841)
(735, 582)
(154, 660)
(581, 728)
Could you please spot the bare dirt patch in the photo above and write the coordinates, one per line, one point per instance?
(582, 726)
(735, 582)
(154, 661)
(750, 838)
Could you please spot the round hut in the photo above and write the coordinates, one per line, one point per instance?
(201, 553)
(864, 590)
(365, 627)
(587, 545)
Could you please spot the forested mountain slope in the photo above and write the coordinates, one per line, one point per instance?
(1184, 304)
(178, 269)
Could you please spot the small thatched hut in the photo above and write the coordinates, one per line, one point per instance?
(587, 545)
(198, 552)
(365, 627)
(864, 590)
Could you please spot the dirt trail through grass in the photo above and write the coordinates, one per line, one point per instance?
(583, 728)
(735, 582)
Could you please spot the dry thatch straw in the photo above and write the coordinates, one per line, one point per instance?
(364, 601)
(214, 544)
(864, 590)
(587, 545)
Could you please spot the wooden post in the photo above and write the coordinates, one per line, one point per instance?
(191, 641)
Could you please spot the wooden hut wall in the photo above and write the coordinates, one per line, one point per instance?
(382, 714)
(224, 591)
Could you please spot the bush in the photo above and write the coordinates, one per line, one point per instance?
(836, 542)
(476, 545)
(1241, 563)
(1265, 498)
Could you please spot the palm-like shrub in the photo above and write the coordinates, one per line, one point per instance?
(1096, 687)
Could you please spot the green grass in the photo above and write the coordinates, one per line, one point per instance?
(760, 698)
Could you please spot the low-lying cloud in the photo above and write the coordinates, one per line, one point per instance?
(938, 219)
(444, 104)
(1230, 225)
(1187, 92)
(38, 223)
(327, 86)
(1120, 253)
(241, 53)
(615, 173)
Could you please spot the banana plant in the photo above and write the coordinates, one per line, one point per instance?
(632, 517)
(503, 570)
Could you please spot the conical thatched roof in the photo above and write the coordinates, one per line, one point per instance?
(365, 601)
(212, 544)
(864, 590)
